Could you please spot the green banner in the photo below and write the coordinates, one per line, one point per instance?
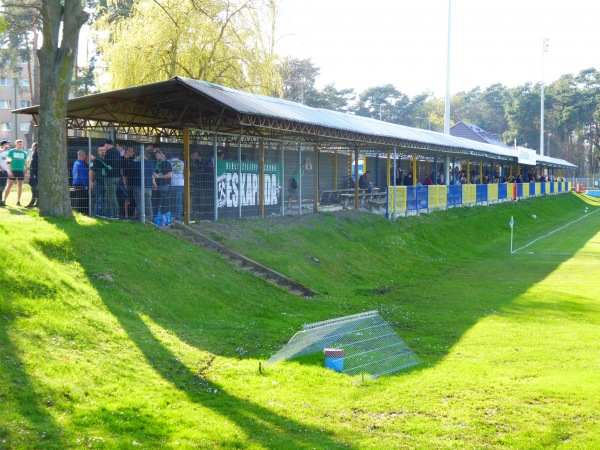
(239, 184)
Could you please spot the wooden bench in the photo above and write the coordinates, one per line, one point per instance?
(363, 197)
(330, 196)
(376, 204)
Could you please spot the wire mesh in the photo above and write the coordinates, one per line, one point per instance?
(370, 345)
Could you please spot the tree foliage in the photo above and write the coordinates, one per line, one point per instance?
(225, 42)
(298, 78)
(332, 98)
(391, 105)
(3, 24)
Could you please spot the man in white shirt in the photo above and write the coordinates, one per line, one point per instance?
(4, 144)
(177, 181)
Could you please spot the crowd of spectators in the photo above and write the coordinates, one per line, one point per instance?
(460, 176)
(121, 182)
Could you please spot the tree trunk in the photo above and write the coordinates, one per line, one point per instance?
(57, 59)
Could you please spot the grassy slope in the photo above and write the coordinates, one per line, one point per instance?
(113, 335)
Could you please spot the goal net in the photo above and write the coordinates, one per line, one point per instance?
(370, 345)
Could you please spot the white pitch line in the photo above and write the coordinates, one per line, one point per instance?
(552, 232)
(591, 255)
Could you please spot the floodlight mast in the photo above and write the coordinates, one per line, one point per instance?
(544, 51)
(447, 111)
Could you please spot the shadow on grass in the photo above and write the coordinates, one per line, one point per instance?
(259, 424)
(30, 415)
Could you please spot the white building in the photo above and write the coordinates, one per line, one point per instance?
(14, 94)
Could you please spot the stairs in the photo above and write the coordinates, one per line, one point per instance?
(188, 233)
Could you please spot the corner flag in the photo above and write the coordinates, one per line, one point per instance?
(512, 221)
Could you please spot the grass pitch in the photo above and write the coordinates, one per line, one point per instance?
(114, 335)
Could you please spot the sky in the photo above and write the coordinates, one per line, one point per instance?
(365, 43)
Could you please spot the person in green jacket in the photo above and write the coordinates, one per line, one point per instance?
(17, 166)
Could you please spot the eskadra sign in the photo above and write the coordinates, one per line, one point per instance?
(239, 185)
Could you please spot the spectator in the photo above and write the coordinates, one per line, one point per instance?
(163, 172)
(17, 164)
(98, 171)
(365, 183)
(408, 180)
(33, 176)
(81, 182)
(428, 181)
(398, 177)
(440, 178)
(177, 181)
(112, 158)
(4, 144)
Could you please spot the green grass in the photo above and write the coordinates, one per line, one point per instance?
(114, 335)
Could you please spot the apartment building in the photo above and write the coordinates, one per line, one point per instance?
(14, 94)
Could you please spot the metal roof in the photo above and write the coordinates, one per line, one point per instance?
(183, 102)
(547, 161)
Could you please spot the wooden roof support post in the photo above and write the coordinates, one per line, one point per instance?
(415, 170)
(186, 176)
(316, 169)
(389, 166)
(261, 180)
(468, 172)
(356, 178)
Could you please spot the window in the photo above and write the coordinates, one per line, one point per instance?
(24, 82)
(5, 82)
(25, 103)
(24, 126)
(6, 126)
(5, 104)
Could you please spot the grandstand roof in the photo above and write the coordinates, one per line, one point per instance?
(167, 107)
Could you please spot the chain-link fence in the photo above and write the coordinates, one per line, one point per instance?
(154, 179)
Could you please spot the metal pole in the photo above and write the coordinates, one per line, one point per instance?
(544, 50)
(316, 172)
(447, 111)
(300, 178)
(282, 181)
(261, 180)
(215, 193)
(186, 175)
(335, 169)
(142, 208)
(91, 207)
(356, 178)
(240, 175)
(395, 169)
